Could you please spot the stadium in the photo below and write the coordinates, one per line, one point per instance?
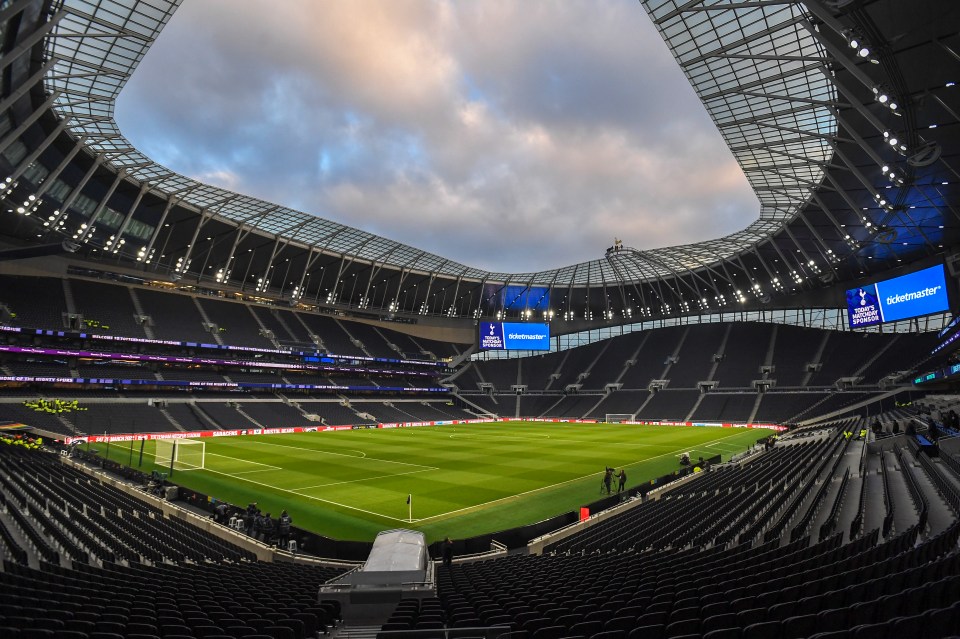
(222, 417)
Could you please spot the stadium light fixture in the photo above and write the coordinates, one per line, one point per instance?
(882, 94)
(856, 42)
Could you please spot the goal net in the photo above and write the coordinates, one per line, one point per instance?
(618, 418)
(185, 454)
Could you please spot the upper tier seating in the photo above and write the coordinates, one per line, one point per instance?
(106, 308)
(174, 316)
(695, 358)
(330, 331)
(109, 308)
(748, 344)
(287, 330)
(236, 325)
(372, 340)
(36, 302)
(795, 347)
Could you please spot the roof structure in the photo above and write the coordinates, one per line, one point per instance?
(848, 185)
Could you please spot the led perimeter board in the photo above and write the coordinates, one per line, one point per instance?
(912, 295)
(514, 336)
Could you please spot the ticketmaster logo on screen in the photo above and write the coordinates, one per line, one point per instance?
(909, 297)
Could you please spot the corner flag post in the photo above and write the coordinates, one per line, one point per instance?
(410, 508)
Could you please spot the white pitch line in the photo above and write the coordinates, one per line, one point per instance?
(554, 440)
(542, 436)
(239, 472)
(326, 501)
(721, 446)
(246, 461)
(327, 452)
(355, 481)
(535, 490)
(487, 436)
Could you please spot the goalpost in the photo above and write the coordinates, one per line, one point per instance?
(185, 454)
(618, 418)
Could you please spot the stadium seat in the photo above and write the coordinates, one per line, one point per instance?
(620, 623)
(653, 631)
(280, 632)
(832, 620)
(762, 630)
(549, 632)
(717, 622)
(684, 627)
(799, 627)
(723, 633)
(587, 628)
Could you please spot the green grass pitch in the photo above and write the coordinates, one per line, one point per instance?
(465, 479)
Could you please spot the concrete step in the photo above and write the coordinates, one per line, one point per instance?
(355, 632)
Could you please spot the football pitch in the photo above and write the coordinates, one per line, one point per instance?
(464, 479)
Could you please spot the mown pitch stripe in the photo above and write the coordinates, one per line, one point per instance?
(562, 483)
(362, 456)
(355, 481)
(326, 501)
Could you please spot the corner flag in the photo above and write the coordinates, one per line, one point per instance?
(409, 507)
(408, 498)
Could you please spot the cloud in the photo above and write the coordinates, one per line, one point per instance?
(509, 135)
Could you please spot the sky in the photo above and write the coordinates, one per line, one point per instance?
(509, 135)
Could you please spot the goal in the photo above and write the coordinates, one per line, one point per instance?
(185, 454)
(618, 418)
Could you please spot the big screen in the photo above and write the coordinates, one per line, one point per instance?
(511, 336)
(911, 295)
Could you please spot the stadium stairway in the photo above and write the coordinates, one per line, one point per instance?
(817, 357)
(173, 421)
(265, 330)
(207, 323)
(147, 324)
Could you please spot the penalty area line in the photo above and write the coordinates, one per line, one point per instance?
(326, 501)
(239, 472)
(362, 455)
(247, 461)
(355, 481)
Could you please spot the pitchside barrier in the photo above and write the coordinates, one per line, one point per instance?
(126, 437)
